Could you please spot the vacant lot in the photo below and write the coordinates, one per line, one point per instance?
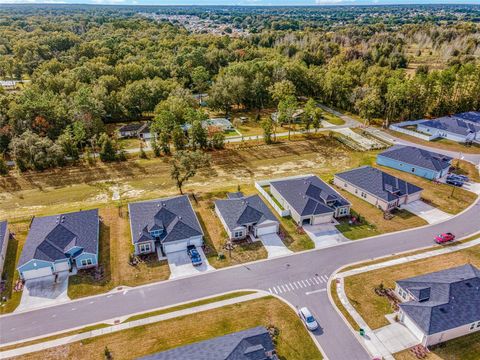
(360, 288)
(439, 143)
(293, 341)
(115, 249)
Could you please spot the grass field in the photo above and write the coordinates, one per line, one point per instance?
(373, 308)
(439, 143)
(332, 119)
(293, 341)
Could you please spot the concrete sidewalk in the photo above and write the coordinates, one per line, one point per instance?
(125, 326)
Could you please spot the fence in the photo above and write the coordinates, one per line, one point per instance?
(400, 128)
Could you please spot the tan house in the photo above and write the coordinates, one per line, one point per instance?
(380, 189)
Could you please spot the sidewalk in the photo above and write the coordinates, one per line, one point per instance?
(125, 326)
(370, 340)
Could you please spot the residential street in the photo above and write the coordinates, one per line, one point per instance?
(335, 338)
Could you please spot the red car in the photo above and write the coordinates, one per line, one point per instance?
(444, 238)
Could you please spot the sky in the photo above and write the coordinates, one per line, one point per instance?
(244, 2)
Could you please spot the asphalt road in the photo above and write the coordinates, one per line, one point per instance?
(335, 338)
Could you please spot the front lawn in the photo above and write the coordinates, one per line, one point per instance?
(115, 249)
(293, 341)
(332, 119)
(373, 308)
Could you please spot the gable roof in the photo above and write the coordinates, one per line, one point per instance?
(3, 233)
(248, 344)
(50, 237)
(453, 125)
(472, 116)
(378, 183)
(451, 298)
(131, 127)
(418, 157)
(175, 216)
(238, 210)
(309, 195)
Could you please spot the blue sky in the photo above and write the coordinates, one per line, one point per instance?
(245, 2)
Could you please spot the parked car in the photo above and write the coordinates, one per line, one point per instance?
(454, 181)
(463, 178)
(308, 319)
(444, 238)
(194, 255)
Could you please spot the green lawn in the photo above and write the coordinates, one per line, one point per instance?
(332, 119)
(292, 341)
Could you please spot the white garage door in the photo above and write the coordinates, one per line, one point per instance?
(267, 230)
(32, 274)
(169, 248)
(63, 266)
(322, 219)
(413, 327)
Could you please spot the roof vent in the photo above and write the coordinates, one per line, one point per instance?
(179, 218)
(164, 204)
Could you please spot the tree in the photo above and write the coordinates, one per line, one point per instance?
(108, 151)
(198, 136)
(267, 127)
(156, 149)
(281, 90)
(163, 125)
(217, 140)
(178, 138)
(286, 109)
(200, 78)
(68, 143)
(226, 91)
(3, 166)
(185, 165)
(312, 114)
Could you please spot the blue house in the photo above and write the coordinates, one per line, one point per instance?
(416, 161)
(58, 243)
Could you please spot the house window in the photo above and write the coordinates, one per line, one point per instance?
(86, 262)
(356, 191)
(345, 184)
(413, 169)
(472, 326)
(342, 211)
(478, 324)
(363, 195)
(238, 234)
(145, 248)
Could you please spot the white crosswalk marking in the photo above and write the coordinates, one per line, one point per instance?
(294, 283)
(325, 277)
(283, 288)
(303, 282)
(299, 284)
(270, 290)
(315, 281)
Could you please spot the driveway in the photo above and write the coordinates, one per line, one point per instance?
(274, 245)
(427, 212)
(43, 292)
(181, 265)
(324, 235)
(396, 337)
(473, 187)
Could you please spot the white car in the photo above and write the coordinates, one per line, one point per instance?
(308, 319)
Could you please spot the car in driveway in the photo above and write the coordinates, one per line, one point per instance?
(308, 319)
(444, 238)
(455, 181)
(194, 255)
(463, 178)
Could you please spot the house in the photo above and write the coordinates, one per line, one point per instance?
(451, 128)
(144, 132)
(427, 164)
(377, 187)
(223, 124)
(4, 237)
(164, 225)
(470, 116)
(250, 344)
(130, 130)
(309, 200)
(60, 242)
(442, 305)
(245, 215)
(296, 117)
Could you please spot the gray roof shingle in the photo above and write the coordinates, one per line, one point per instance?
(472, 116)
(453, 125)
(238, 210)
(175, 216)
(309, 195)
(3, 233)
(451, 298)
(378, 183)
(50, 237)
(248, 344)
(418, 157)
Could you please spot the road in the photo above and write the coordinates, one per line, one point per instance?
(335, 338)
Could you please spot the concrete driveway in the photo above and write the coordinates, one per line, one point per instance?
(181, 265)
(324, 235)
(43, 292)
(396, 337)
(427, 212)
(274, 245)
(473, 187)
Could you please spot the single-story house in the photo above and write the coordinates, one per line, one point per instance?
(144, 132)
(251, 344)
(221, 123)
(442, 305)
(4, 237)
(57, 243)
(296, 117)
(309, 200)
(451, 128)
(130, 130)
(164, 225)
(242, 216)
(470, 116)
(420, 162)
(377, 187)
